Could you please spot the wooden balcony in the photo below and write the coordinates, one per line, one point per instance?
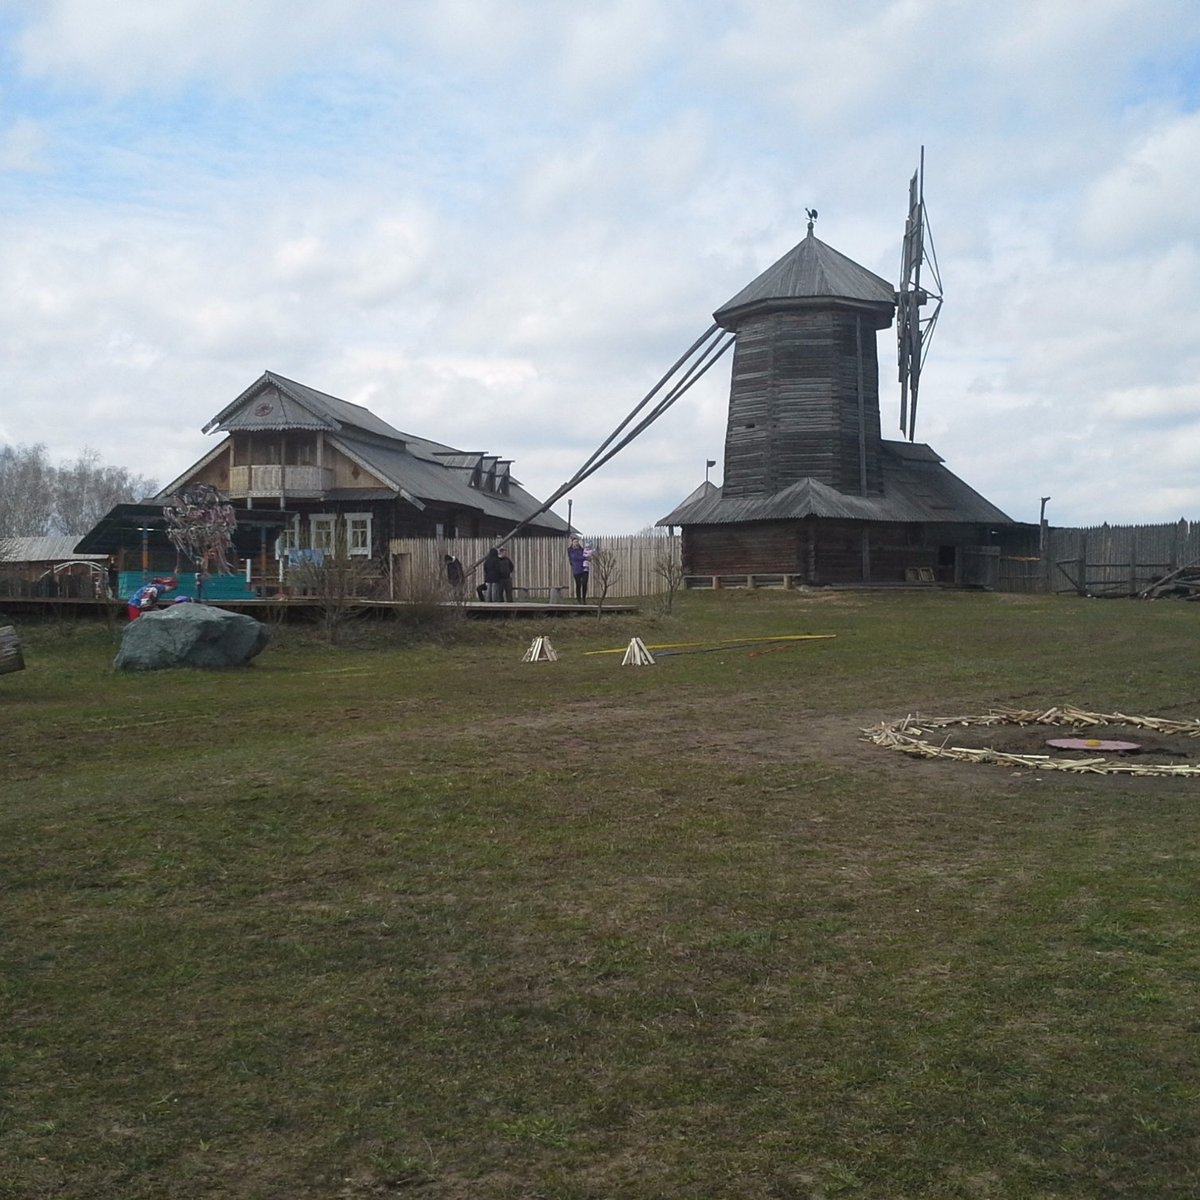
(275, 480)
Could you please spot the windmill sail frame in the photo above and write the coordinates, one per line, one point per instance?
(914, 331)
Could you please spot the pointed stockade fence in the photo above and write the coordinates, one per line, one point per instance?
(1118, 560)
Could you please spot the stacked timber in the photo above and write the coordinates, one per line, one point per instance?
(1183, 582)
(10, 651)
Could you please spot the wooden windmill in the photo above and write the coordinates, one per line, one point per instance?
(812, 491)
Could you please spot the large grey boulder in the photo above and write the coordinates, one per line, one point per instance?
(189, 635)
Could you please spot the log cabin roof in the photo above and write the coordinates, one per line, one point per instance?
(420, 470)
(810, 271)
(273, 402)
(412, 472)
(917, 487)
(50, 548)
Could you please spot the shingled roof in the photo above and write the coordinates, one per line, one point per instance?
(810, 271)
(917, 487)
(416, 468)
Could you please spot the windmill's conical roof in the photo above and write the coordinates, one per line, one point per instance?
(810, 271)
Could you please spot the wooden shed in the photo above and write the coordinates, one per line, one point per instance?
(49, 567)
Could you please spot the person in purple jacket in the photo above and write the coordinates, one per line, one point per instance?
(578, 558)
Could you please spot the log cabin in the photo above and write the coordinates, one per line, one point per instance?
(347, 477)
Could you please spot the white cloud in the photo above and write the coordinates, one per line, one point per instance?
(23, 146)
(497, 223)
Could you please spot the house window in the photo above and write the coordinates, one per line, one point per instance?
(322, 527)
(358, 534)
(288, 539)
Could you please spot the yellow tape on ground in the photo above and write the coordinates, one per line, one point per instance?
(781, 637)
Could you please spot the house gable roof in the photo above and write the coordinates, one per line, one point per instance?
(419, 470)
(273, 402)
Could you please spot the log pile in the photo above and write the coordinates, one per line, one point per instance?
(10, 651)
(911, 735)
(1183, 582)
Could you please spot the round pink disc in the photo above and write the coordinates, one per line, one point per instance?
(1090, 744)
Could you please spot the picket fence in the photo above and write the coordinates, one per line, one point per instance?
(418, 564)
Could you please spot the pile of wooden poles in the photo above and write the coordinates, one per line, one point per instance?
(11, 658)
(910, 735)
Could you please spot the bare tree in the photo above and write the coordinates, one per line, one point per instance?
(26, 491)
(86, 489)
(602, 567)
(668, 566)
(336, 579)
(37, 497)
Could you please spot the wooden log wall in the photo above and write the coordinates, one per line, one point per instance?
(826, 551)
(758, 547)
(794, 403)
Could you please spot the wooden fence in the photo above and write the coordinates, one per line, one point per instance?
(1096, 560)
(1117, 560)
(418, 563)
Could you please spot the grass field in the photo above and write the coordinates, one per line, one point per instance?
(422, 920)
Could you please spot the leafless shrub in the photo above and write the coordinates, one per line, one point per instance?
(338, 581)
(668, 566)
(602, 566)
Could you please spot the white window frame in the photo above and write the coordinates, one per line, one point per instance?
(322, 529)
(364, 520)
(288, 539)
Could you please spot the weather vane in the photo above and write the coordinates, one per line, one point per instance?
(812, 216)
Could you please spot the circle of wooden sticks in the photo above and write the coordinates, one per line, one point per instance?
(911, 735)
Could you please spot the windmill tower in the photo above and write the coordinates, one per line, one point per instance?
(812, 491)
(804, 395)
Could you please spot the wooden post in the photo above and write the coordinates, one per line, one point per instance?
(1133, 561)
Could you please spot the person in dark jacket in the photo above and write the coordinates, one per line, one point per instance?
(455, 576)
(507, 570)
(493, 575)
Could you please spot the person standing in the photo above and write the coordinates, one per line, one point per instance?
(507, 570)
(578, 558)
(493, 575)
(454, 576)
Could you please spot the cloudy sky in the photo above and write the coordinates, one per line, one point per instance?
(497, 222)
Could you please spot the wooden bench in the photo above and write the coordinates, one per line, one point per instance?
(553, 595)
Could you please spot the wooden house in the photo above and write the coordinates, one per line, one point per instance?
(811, 491)
(348, 478)
(49, 566)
